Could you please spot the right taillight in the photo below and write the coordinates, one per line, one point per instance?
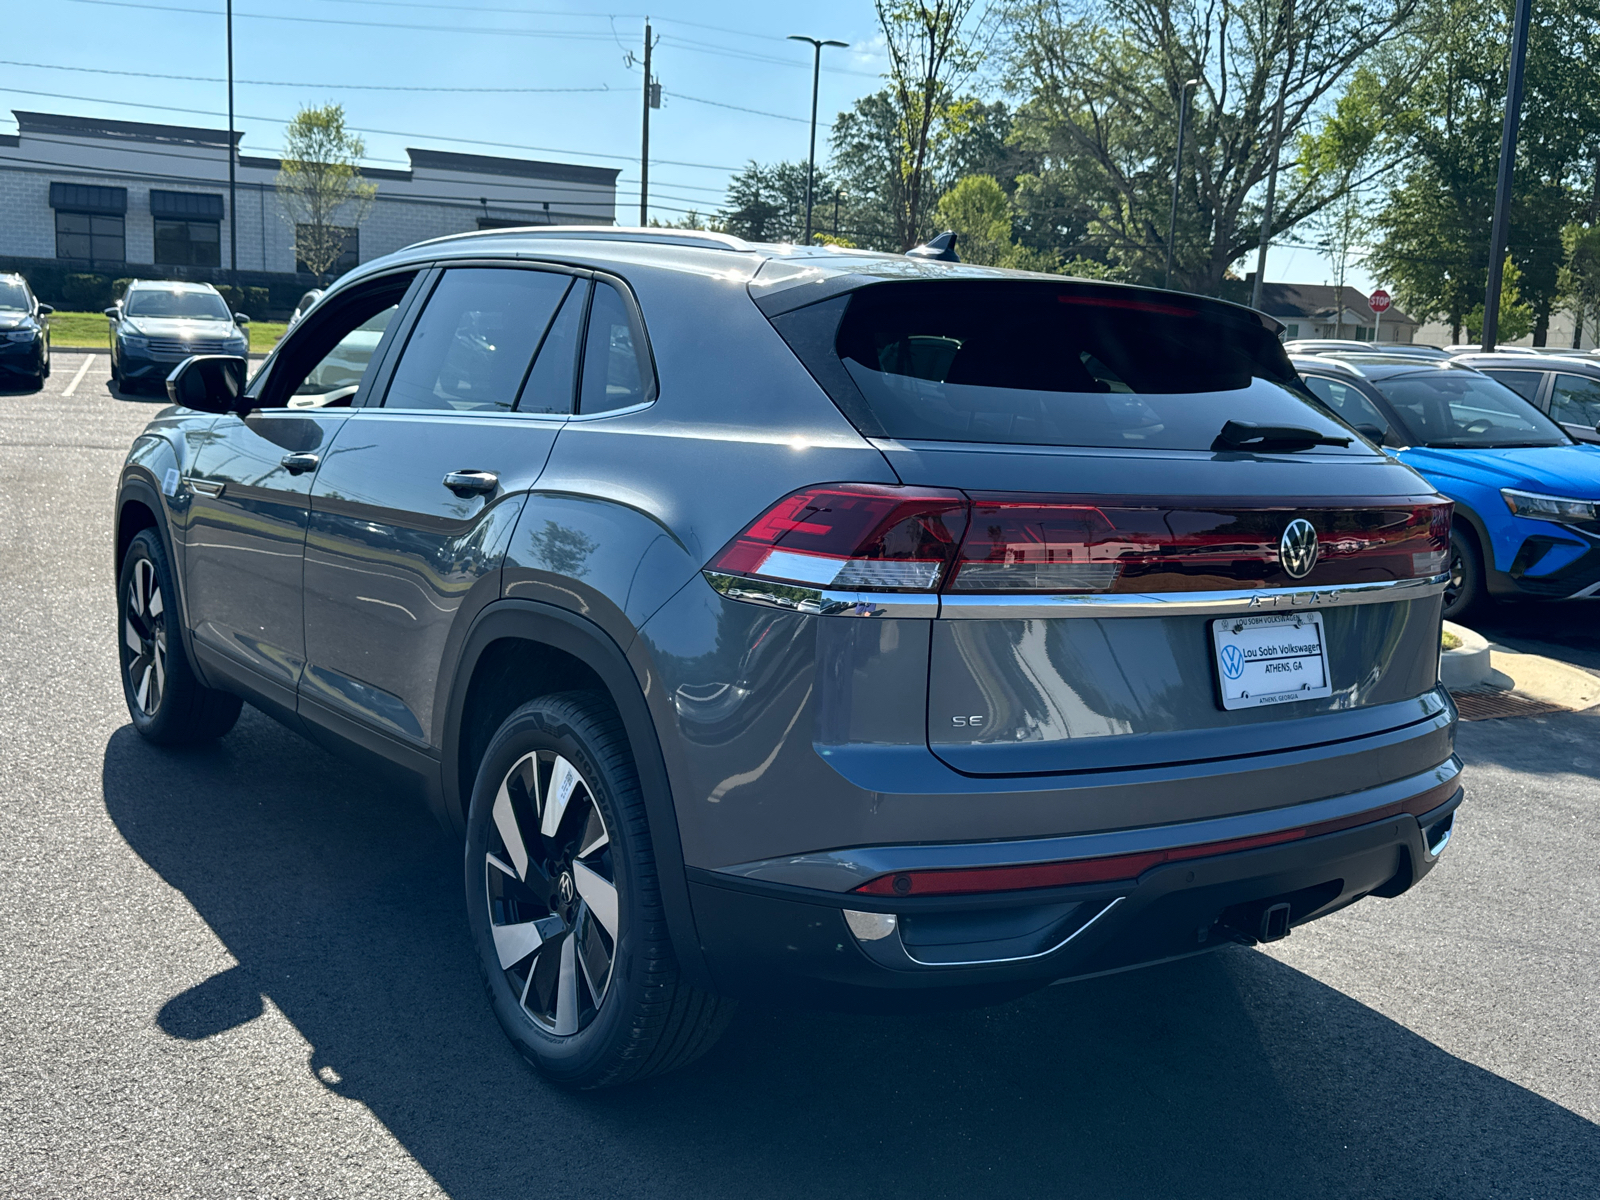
(878, 538)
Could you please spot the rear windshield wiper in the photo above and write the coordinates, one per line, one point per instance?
(1247, 435)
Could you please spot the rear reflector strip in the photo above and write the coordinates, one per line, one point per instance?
(1119, 868)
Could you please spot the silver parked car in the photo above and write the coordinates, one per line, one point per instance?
(773, 620)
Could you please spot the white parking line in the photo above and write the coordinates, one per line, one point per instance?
(78, 378)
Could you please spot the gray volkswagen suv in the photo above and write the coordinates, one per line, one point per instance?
(835, 625)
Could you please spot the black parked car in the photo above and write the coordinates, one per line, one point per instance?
(785, 620)
(24, 332)
(156, 325)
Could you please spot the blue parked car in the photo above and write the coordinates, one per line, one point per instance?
(1526, 494)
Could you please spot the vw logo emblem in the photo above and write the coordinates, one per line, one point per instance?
(566, 888)
(1297, 549)
(1232, 662)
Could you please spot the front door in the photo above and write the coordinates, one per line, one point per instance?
(249, 492)
(412, 510)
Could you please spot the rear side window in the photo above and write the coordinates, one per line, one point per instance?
(1575, 400)
(475, 340)
(615, 374)
(1523, 383)
(1050, 364)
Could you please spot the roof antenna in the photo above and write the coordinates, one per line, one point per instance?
(937, 249)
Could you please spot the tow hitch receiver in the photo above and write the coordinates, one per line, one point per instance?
(1274, 924)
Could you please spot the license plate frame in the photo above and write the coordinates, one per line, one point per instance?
(1253, 656)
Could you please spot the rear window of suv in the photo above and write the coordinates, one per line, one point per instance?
(1049, 364)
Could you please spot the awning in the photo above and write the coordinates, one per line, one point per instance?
(195, 206)
(87, 198)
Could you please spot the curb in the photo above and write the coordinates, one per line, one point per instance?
(1468, 665)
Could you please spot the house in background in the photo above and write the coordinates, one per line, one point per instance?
(1320, 310)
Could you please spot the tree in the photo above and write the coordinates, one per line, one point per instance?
(320, 190)
(1516, 317)
(1338, 231)
(1433, 231)
(1103, 81)
(978, 211)
(768, 203)
(1580, 277)
(932, 56)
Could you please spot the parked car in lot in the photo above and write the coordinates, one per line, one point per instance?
(158, 324)
(1341, 346)
(1526, 495)
(1564, 388)
(24, 332)
(306, 301)
(779, 620)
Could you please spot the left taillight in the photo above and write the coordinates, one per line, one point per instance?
(853, 536)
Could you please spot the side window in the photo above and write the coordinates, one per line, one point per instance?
(472, 347)
(1523, 383)
(1576, 400)
(1346, 402)
(323, 360)
(555, 371)
(339, 373)
(614, 370)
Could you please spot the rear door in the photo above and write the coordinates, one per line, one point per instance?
(412, 510)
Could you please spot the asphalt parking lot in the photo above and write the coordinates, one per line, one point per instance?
(243, 971)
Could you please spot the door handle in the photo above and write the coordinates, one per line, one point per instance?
(471, 483)
(299, 464)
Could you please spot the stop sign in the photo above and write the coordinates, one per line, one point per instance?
(1378, 301)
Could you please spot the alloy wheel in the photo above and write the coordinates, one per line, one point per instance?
(1458, 577)
(552, 892)
(144, 637)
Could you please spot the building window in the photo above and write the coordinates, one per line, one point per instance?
(188, 243)
(90, 237)
(1291, 330)
(350, 257)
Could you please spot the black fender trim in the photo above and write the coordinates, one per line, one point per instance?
(530, 620)
(138, 487)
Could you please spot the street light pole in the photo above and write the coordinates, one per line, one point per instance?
(1499, 232)
(1177, 171)
(233, 183)
(811, 158)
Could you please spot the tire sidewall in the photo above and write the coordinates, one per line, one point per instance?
(146, 545)
(550, 725)
(1471, 593)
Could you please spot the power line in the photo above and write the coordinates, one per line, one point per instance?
(365, 87)
(383, 132)
(736, 107)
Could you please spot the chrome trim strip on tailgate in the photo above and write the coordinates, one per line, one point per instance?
(1027, 606)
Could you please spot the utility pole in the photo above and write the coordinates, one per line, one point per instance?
(233, 155)
(1500, 231)
(1177, 171)
(1277, 153)
(811, 158)
(652, 99)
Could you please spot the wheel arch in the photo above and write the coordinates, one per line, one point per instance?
(518, 650)
(139, 508)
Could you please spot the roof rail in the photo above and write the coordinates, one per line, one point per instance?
(702, 239)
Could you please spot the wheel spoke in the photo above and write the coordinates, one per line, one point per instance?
(142, 692)
(595, 836)
(581, 927)
(599, 894)
(160, 652)
(563, 782)
(156, 608)
(505, 820)
(130, 635)
(513, 943)
(567, 987)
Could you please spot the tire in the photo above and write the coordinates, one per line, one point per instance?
(568, 925)
(1464, 593)
(168, 704)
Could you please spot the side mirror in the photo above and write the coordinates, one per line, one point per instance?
(1373, 433)
(113, 312)
(240, 319)
(211, 383)
(47, 310)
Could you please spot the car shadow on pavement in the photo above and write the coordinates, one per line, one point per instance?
(1228, 1075)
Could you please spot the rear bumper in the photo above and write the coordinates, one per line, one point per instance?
(769, 938)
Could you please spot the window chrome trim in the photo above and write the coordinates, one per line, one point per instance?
(1028, 607)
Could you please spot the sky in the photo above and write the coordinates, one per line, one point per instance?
(565, 80)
